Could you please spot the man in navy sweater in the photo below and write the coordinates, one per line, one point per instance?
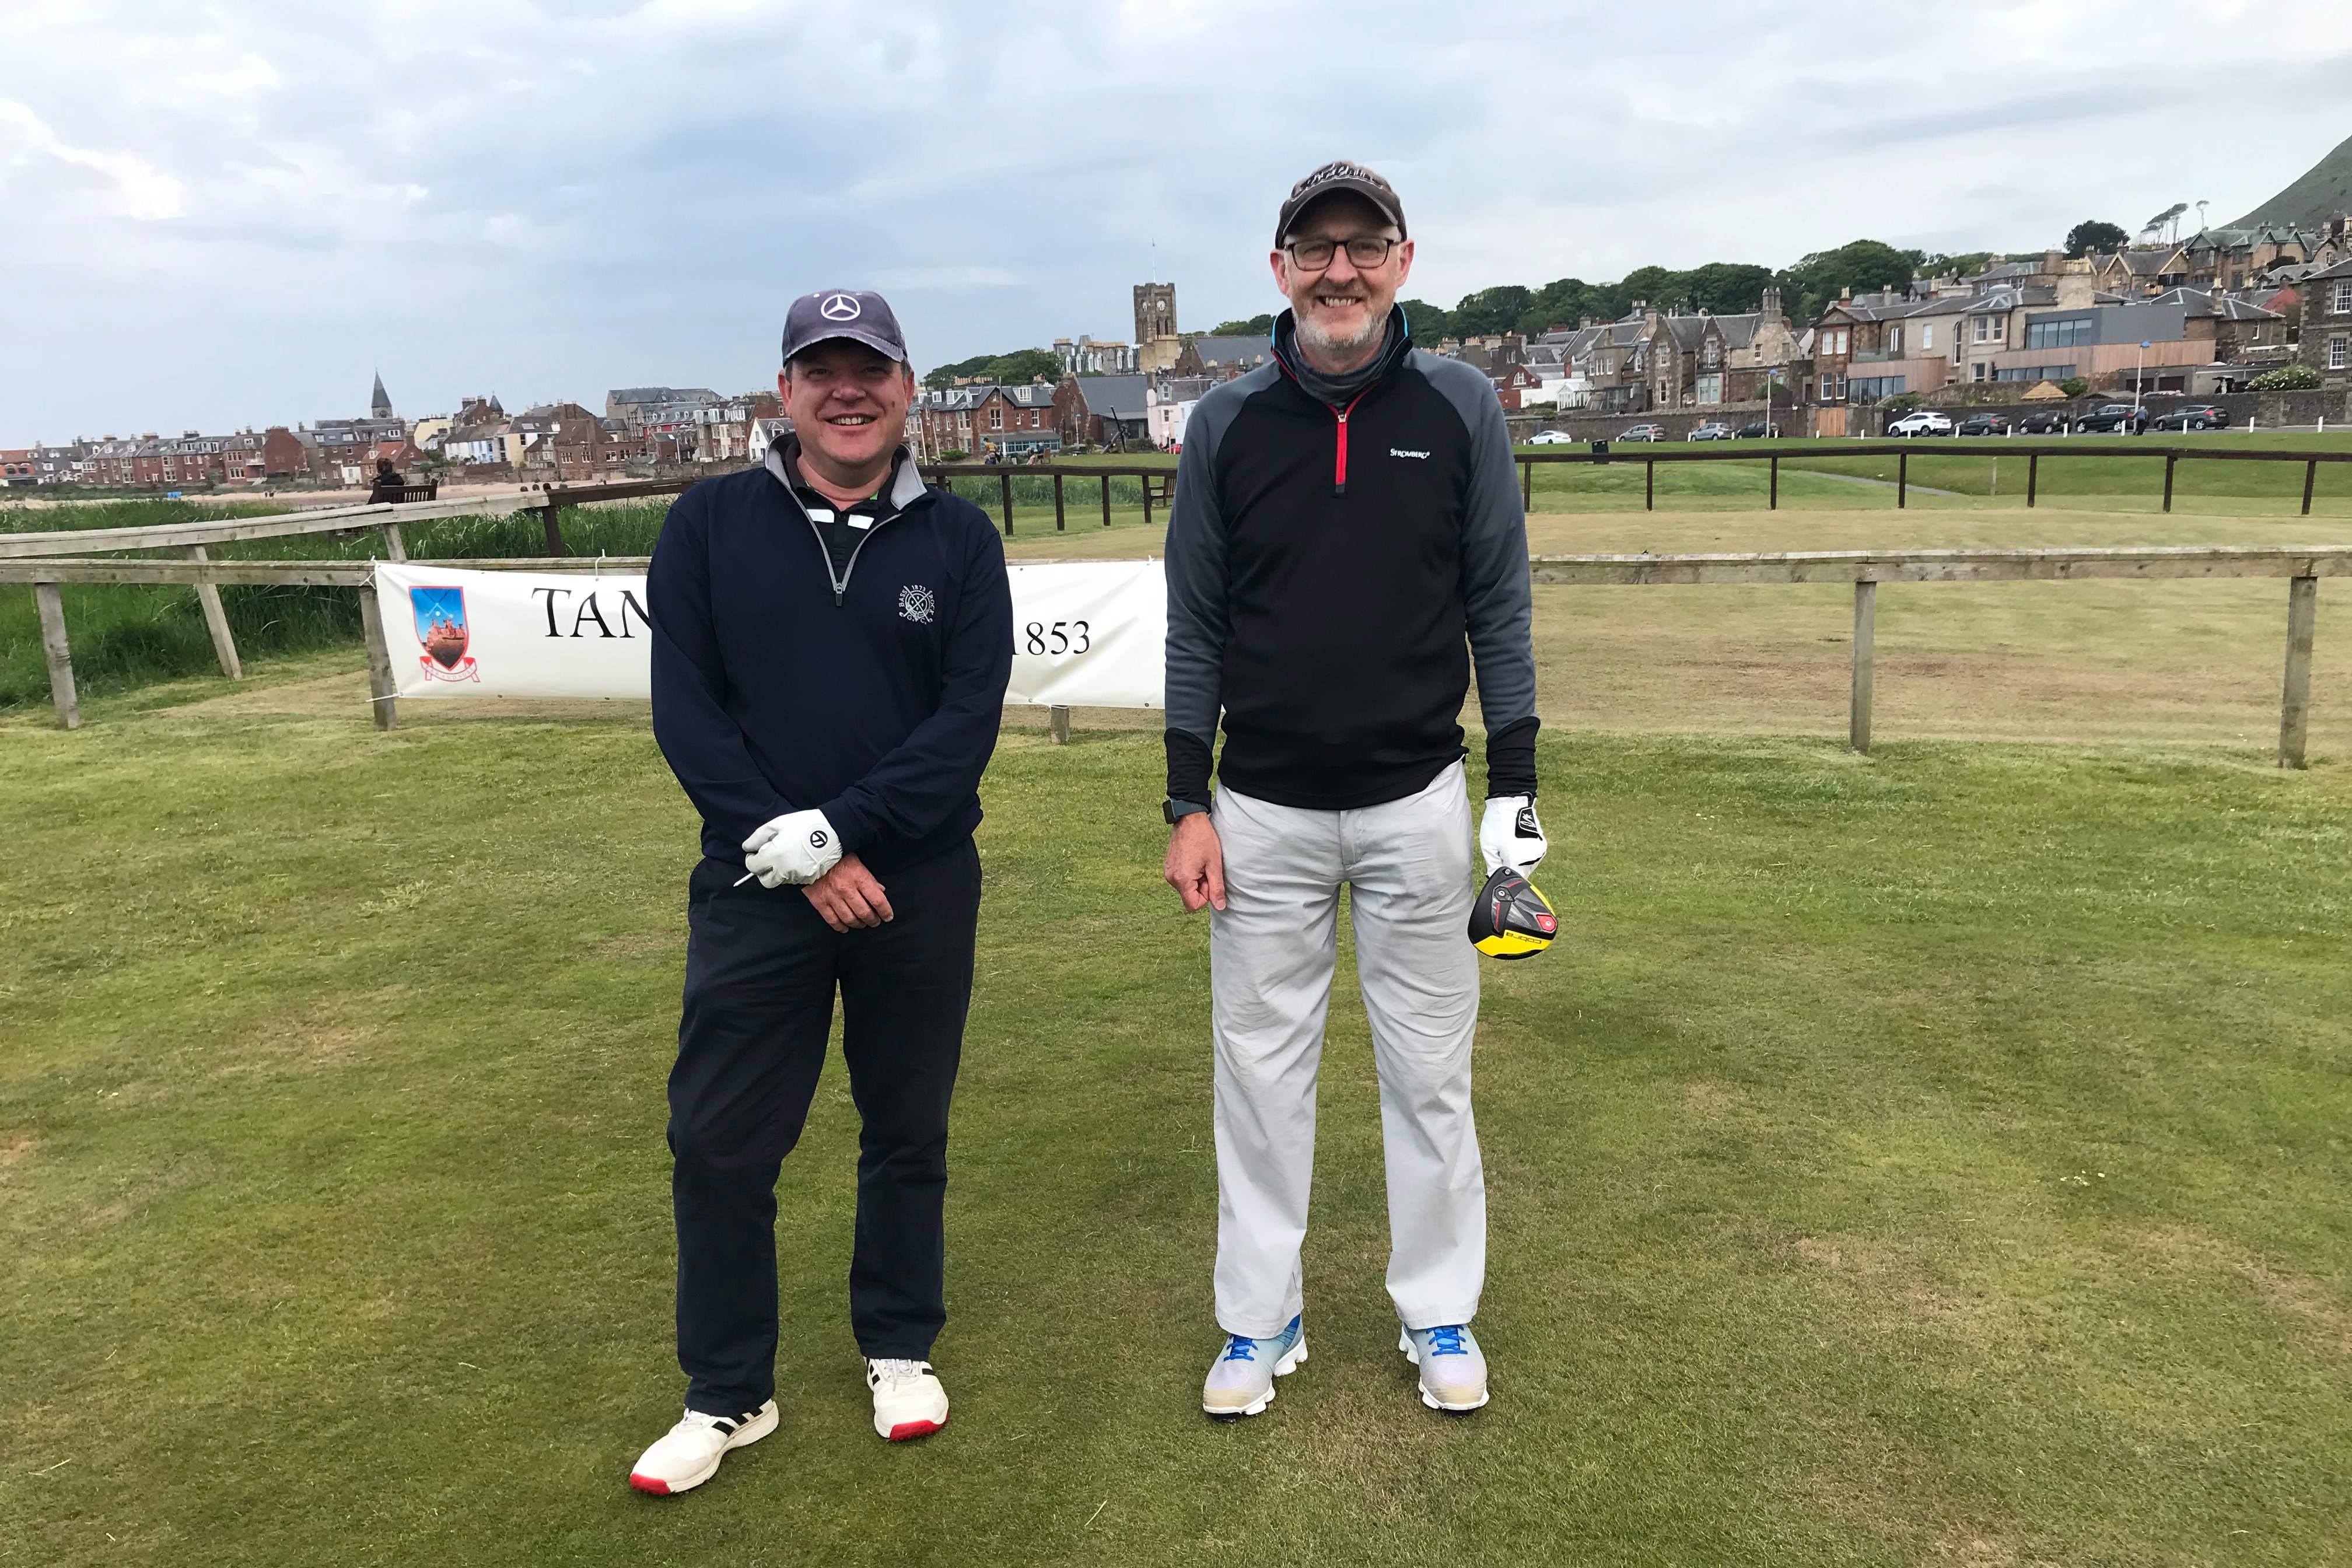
(832, 640)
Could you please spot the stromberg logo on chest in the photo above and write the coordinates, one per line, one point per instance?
(1401, 452)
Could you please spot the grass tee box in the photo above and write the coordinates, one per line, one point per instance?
(1931, 1158)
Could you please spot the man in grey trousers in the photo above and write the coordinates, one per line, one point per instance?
(1347, 535)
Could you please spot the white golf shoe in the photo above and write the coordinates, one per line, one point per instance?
(1452, 1368)
(908, 1399)
(689, 1454)
(1241, 1380)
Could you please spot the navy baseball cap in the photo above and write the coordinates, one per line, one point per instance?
(858, 314)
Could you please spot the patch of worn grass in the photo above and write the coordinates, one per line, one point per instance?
(1932, 1158)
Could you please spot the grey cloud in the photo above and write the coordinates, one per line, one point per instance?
(547, 201)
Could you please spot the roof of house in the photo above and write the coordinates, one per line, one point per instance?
(1117, 396)
(661, 395)
(1249, 351)
(2203, 302)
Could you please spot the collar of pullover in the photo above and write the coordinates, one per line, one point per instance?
(1338, 390)
(900, 490)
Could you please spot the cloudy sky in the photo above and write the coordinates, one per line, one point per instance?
(230, 211)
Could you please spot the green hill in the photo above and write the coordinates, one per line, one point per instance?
(2325, 190)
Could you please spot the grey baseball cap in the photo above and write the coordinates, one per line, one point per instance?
(858, 314)
(1335, 177)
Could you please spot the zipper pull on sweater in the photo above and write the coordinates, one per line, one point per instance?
(1339, 461)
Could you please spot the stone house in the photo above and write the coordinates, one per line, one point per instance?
(1105, 410)
(2326, 337)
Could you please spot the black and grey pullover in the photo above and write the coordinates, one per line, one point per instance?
(1332, 571)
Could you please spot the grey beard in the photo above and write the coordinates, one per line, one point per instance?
(1317, 338)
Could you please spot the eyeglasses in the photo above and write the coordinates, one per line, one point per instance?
(1315, 255)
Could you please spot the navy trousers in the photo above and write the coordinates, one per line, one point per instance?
(762, 969)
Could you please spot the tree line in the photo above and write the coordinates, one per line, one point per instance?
(1719, 288)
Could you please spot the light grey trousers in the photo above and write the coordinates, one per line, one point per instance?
(1273, 950)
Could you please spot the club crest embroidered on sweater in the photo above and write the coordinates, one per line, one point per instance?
(916, 604)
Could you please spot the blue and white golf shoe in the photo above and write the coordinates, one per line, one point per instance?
(1452, 1368)
(1241, 1380)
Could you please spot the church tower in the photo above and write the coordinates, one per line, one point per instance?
(1155, 312)
(1156, 343)
(380, 406)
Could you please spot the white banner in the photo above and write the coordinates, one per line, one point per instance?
(1084, 634)
(1089, 633)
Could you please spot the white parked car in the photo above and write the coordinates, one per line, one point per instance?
(1550, 438)
(1921, 422)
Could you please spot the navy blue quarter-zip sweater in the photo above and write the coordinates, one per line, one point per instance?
(872, 694)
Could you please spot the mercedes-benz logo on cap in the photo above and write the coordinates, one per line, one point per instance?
(839, 308)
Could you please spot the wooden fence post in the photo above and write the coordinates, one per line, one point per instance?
(2294, 707)
(2032, 477)
(1866, 638)
(216, 621)
(1060, 518)
(1105, 489)
(1527, 484)
(2310, 473)
(1902, 491)
(1146, 498)
(1057, 724)
(61, 655)
(1650, 485)
(553, 515)
(1005, 481)
(381, 699)
(396, 548)
(1776, 483)
(2170, 460)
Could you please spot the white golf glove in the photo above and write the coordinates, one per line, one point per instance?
(798, 847)
(1509, 835)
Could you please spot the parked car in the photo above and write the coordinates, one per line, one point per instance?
(2113, 418)
(2192, 416)
(1644, 433)
(1710, 431)
(1922, 422)
(1983, 424)
(1755, 430)
(2044, 422)
(1550, 438)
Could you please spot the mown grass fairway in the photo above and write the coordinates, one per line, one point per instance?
(1935, 1158)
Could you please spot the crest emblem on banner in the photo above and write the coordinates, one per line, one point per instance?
(440, 618)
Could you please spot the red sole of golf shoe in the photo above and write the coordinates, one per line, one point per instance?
(653, 1484)
(905, 1429)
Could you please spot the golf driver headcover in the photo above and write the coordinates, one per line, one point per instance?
(1511, 918)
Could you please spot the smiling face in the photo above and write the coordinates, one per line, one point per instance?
(848, 406)
(1341, 308)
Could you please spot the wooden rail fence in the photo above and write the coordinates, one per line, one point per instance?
(2301, 566)
(1902, 451)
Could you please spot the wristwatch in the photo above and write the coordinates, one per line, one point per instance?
(1172, 809)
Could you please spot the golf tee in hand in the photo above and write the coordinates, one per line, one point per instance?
(798, 846)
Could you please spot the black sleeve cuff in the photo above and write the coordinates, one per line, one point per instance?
(1188, 767)
(1511, 759)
